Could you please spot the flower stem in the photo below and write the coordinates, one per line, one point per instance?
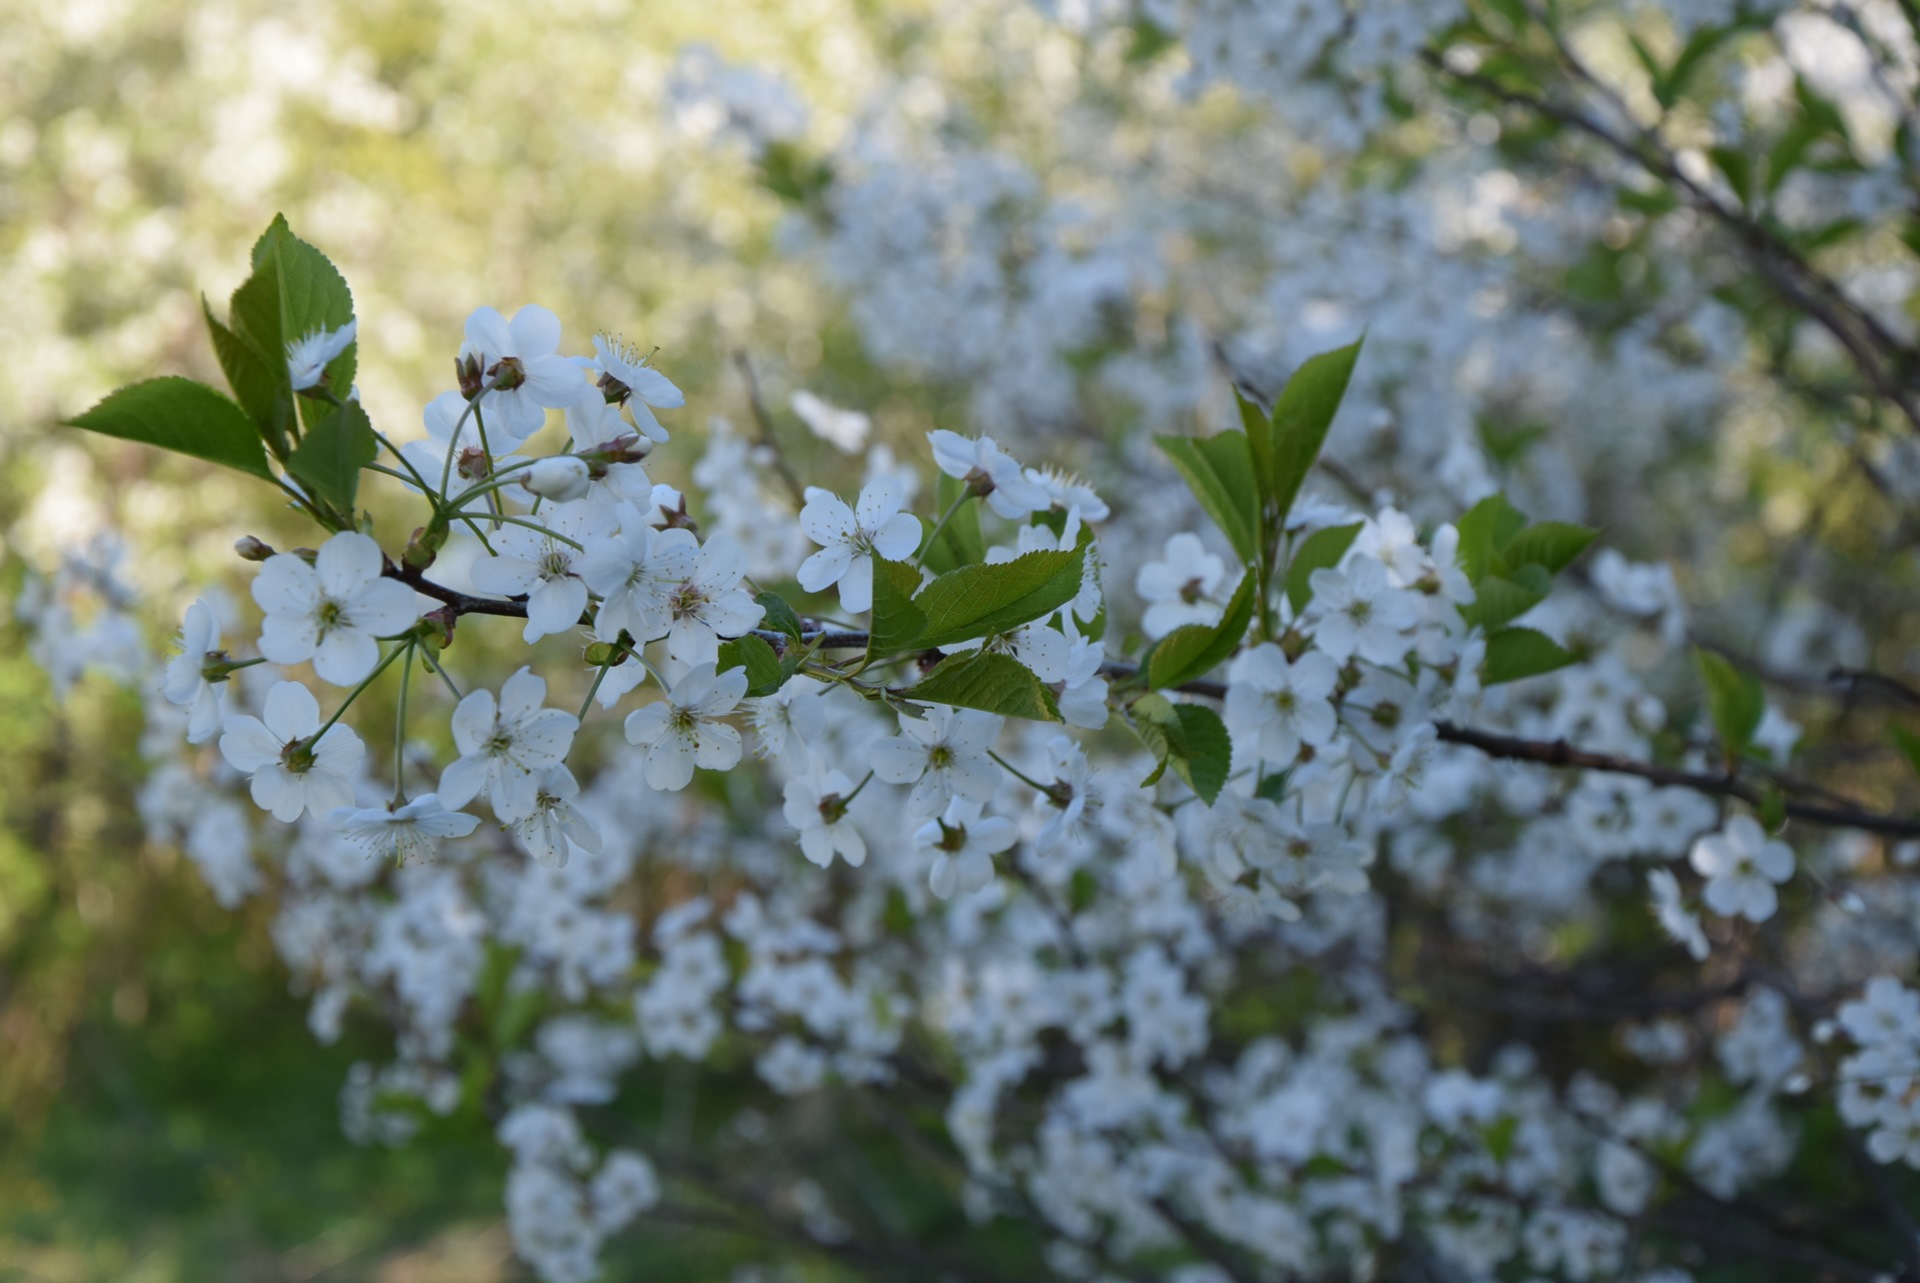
(400, 729)
(354, 694)
(941, 525)
(1017, 773)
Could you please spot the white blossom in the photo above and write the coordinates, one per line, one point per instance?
(292, 772)
(506, 748)
(684, 731)
(331, 612)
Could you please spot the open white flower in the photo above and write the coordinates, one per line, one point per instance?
(291, 775)
(185, 684)
(1741, 865)
(611, 450)
(331, 612)
(1273, 707)
(546, 567)
(850, 538)
(519, 358)
(409, 831)
(625, 378)
(966, 845)
(556, 821)
(636, 573)
(505, 749)
(710, 604)
(817, 806)
(1357, 611)
(1186, 586)
(684, 731)
(989, 472)
(943, 755)
(308, 357)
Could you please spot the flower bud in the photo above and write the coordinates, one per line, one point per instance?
(424, 546)
(252, 549)
(560, 478)
(435, 629)
(601, 653)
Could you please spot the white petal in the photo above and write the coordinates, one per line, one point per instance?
(347, 563)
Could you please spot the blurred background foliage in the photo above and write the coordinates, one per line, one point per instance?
(165, 1112)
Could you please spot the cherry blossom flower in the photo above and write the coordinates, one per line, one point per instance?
(850, 538)
(636, 573)
(1357, 611)
(555, 821)
(611, 449)
(1741, 865)
(626, 379)
(186, 684)
(709, 604)
(684, 731)
(966, 844)
(519, 358)
(453, 449)
(331, 612)
(1273, 707)
(988, 472)
(407, 831)
(816, 805)
(1185, 586)
(309, 357)
(292, 772)
(943, 755)
(546, 568)
(505, 749)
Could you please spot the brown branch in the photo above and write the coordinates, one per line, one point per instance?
(1802, 285)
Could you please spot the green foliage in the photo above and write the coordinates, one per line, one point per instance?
(182, 416)
(1735, 701)
(1188, 652)
(765, 671)
(1514, 653)
(1499, 600)
(959, 543)
(1285, 448)
(991, 682)
(1219, 471)
(779, 615)
(980, 601)
(1189, 738)
(338, 443)
(896, 620)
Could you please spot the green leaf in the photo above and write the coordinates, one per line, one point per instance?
(293, 292)
(1190, 738)
(1219, 471)
(1552, 544)
(1301, 417)
(779, 615)
(1501, 599)
(897, 622)
(765, 673)
(960, 542)
(1737, 166)
(979, 601)
(329, 458)
(1321, 550)
(1734, 701)
(182, 416)
(1186, 653)
(1514, 653)
(258, 384)
(1484, 530)
(1209, 752)
(991, 682)
(1909, 745)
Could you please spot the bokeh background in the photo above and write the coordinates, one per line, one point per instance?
(164, 1111)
